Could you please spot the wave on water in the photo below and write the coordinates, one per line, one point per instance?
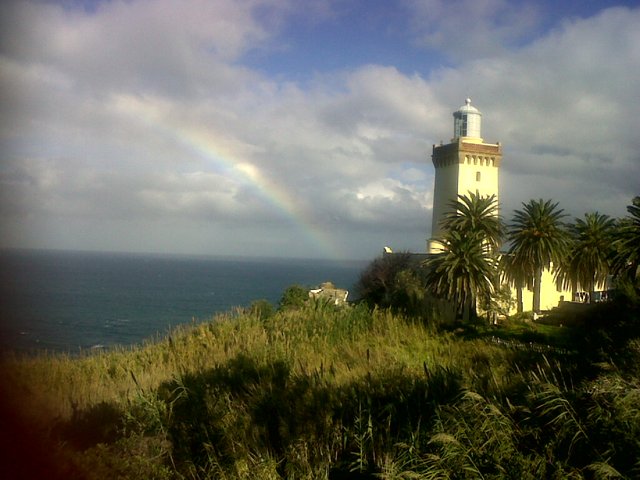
(68, 301)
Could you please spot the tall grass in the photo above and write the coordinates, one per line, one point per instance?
(325, 392)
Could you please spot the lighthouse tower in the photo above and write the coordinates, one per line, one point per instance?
(466, 165)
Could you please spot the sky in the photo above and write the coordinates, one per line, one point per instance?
(301, 128)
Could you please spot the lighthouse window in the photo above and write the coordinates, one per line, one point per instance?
(477, 176)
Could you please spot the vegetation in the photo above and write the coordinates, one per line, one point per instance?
(375, 390)
(470, 272)
(392, 281)
(627, 243)
(325, 392)
(294, 296)
(477, 214)
(538, 239)
(467, 268)
(514, 274)
(587, 263)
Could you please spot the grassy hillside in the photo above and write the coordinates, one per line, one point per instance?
(325, 392)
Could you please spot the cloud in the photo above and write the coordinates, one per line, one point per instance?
(139, 124)
(468, 29)
(163, 46)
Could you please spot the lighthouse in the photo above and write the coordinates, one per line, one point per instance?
(465, 165)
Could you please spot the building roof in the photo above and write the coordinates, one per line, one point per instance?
(468, 108)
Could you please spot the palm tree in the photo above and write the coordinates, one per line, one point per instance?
(463, 272)
(466, 268)
(538, 239)
(588, 261)
(475, 213)
(515, 275)
(627, 243)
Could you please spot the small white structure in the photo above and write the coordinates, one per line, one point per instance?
(467, 122)
(328, 291)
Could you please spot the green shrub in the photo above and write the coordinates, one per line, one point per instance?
(294, 296)
(262, 309)
(325, 392)
(522, 317)
(397, 281)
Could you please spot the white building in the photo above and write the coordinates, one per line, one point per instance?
(469, 165)
(466, 165)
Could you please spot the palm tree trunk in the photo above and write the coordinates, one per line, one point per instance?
(460, 306)
(466, 312)
(473, 310)
(519, 302)
(537, 280)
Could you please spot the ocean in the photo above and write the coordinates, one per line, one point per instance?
(62, 301)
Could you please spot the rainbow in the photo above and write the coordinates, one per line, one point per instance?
(221, 156)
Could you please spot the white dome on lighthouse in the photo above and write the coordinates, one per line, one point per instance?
(467, 121)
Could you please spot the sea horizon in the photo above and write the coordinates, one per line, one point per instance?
(204, 256)
(70, 300)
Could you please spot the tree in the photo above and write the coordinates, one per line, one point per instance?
(538, 239)
(627, 244)
(379, 282)
(475, 213)
(463, 272)
(262, 309)
(499, 304)
(588, 261)
(408, 293)
(466, 269)
(294, 296)
(515, 275)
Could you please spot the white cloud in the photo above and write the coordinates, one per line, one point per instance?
(162, 45)
(141, 116)
(467, 29)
